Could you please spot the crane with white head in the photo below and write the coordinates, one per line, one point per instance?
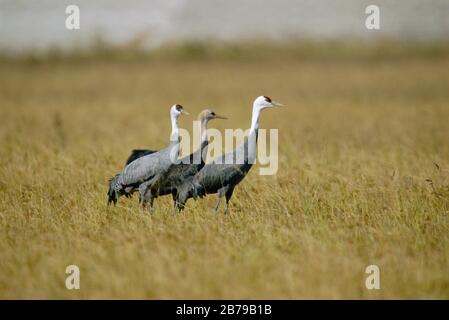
(223, 174)
(145, 173)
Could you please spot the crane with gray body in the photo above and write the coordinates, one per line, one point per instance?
(226, 171)
(145, 173)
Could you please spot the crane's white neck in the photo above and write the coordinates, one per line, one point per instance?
(203, 130)
(252, 136)
(255, 119)
(174, 128)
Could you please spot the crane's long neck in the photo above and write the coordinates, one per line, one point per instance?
(255, 121)
(201, 154)
(174, 128)
(252, 137)
(203, 130)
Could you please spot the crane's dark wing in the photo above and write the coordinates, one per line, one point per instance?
(138, 153)
(213, 177)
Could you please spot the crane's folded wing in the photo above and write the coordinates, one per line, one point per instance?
(140, 170)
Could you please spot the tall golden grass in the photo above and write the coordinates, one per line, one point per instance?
(363, 175)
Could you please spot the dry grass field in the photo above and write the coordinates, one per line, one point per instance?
(363, 175)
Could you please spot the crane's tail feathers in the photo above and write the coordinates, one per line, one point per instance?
(112, 192)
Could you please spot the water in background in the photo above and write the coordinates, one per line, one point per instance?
(38, 25)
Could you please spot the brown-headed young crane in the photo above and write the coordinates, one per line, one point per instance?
(178, 178)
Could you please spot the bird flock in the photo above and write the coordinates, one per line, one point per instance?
(157, 173)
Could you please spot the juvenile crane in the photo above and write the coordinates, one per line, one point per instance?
(144, 174)
(179, 177)
(226, 171)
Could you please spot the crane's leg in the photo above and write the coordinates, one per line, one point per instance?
(153, 190)
(174, 196)
(146, 195)
(228, 196)
(148, 192)
(149, 197)
(217, 204)
(143, 188)
(181, 199)
(221, 192)
(180, 205)
(151, 203)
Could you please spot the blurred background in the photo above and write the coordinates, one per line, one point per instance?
(39, 25)
(363, 147)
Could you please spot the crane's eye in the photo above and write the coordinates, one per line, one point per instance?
(213, 113)
(267, 99)
(178, 107)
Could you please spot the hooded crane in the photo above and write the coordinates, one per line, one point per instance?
(144, 174)
(225, 172)
(179, 177)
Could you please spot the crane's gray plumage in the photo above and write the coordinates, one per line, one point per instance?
(222, 175)
(135, 154)
(177, 174)
(225, 172)
(178, 178)
(144, 173)
(182, 174)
